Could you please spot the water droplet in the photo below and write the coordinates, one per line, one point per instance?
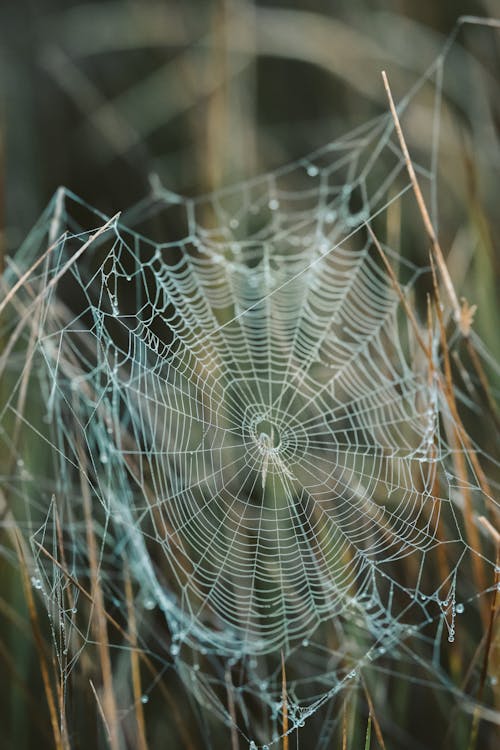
(103, 458)
(234, 223)
(305, 642)
(74, 610)
(144, 698)
(312, 170)
(459, 609)
(174, 649)
(36, 583)
(274, 204)
(149, 603)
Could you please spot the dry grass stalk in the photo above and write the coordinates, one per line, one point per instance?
(397, 288)
(373, 716)
(284, 703)
(102, 713)
(134, 664)
(463, 313)
(463, 317)
(109, 707)
(368, 736)
(436, 248)
(232, 711)
(495, 535)
(55, 279)
(344, 725)
(182, 726)
(23, 388)
(60, 740)
(458, 438)
(427, 349)
(436, 488)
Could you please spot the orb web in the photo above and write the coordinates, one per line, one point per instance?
(259, 433)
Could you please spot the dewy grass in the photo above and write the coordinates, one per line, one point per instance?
(256, 513)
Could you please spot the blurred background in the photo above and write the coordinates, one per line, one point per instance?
(97, 96)
(103, 96)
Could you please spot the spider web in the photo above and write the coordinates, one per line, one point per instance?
(259, 433)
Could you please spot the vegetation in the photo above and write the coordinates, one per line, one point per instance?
(115, 100)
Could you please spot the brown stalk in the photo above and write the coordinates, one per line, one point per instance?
(284, 702)
(376, 725)
(181, 725)
(60, 743)
(101, 712)
(460, 436)
(62, 552)
(23, 279)
(436, 248)
(109, 706)
(19, 283)
(23, 389)
(397, 288)
(427, 349)
(232, 711)
(23, 317)
(60, 687)
(489, 633)
(463, 314)
(436, 490)
(344, 725)
(60, 699)
(134, 664)
(84, 592)
(463, 317)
